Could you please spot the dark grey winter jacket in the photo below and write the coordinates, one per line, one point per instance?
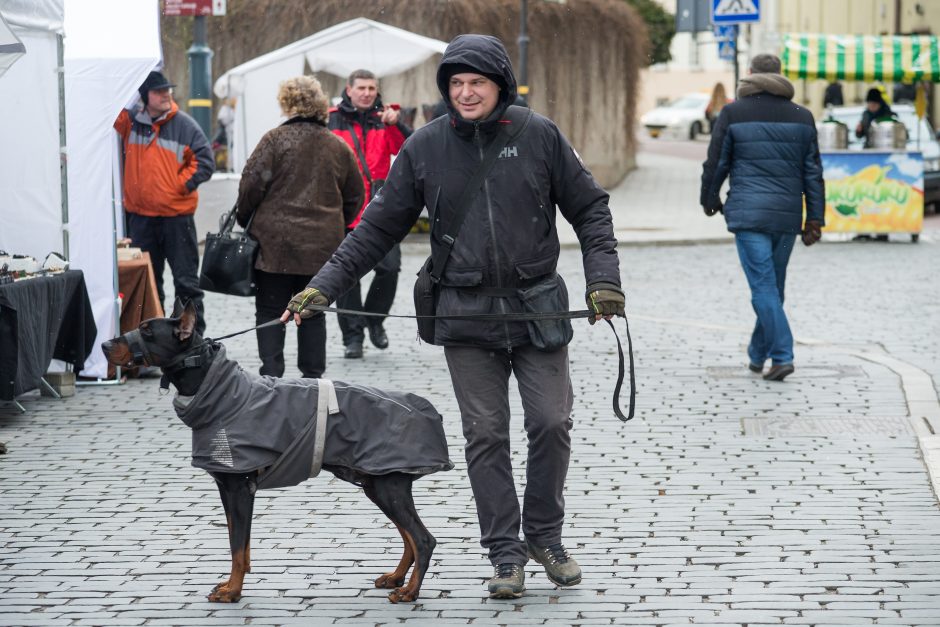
(509, 238)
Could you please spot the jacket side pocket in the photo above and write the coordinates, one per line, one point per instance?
(547, 296)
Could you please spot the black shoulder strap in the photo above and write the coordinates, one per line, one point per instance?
(362, 157)
(519, 119)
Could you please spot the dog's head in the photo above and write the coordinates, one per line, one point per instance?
(155, 342)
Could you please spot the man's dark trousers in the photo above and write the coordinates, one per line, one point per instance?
(481, 383)
(379, 299)
(171, 239)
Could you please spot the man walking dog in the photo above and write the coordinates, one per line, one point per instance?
(767, 144)
(502, 260)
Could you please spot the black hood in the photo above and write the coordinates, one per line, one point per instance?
(487, 55)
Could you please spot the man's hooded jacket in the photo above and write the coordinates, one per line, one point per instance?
(165, 160)
(509, 238)
(767, 145)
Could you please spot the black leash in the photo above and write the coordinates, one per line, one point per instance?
(518, 317)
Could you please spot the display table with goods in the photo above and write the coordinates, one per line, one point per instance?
(43, 316)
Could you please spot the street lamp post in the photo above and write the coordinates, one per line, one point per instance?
(523, 87)
(200, 76)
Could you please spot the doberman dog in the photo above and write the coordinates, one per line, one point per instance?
(162, 342)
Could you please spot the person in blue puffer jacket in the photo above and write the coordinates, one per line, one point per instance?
(767, 145)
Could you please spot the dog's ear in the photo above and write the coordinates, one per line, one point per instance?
(187, 323)
(177, 308)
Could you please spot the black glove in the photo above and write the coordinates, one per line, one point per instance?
(710, 211)
(304, 302)
(604, 299)
(811, 232)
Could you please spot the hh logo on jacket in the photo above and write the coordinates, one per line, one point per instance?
(509, 152)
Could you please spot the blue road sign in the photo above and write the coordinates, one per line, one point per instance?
(728, 32)
(735, 11)
(726, 50)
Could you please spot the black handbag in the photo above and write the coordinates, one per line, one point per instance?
(228, 262)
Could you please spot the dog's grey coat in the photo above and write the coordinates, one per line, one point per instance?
(243, 422)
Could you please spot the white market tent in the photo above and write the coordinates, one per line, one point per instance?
(105, 61)
(11, 48)
(339, 50)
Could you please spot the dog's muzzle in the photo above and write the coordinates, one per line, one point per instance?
(139, 354)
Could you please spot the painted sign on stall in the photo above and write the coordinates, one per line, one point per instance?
(874, 192)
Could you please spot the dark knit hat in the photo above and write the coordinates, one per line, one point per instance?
(449, 69)
(155, 80)
(874, 95)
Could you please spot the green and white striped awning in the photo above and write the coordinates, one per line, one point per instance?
(893, 59)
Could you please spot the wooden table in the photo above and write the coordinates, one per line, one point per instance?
(139, 289)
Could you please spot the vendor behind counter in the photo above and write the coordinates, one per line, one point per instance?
(876, 110)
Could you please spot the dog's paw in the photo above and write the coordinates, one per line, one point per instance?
(223, 594)
(389, 580)
(404, 594)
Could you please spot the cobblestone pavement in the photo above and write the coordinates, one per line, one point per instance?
(728, 500)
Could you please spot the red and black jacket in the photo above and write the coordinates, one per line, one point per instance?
(377, 141)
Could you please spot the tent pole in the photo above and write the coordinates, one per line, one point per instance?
(63, 147)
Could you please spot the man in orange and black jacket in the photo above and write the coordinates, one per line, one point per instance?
(166, 157)
(374, 132)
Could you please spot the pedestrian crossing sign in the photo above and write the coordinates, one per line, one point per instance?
(735, 11)
(726, 50)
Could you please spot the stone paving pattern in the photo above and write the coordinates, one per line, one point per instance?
(679, 517)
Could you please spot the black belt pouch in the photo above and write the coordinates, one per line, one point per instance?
(549, 295)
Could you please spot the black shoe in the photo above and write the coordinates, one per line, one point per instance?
(378, 336)
(779, 372)
(508, 581)
(353, 350)
(758, 368)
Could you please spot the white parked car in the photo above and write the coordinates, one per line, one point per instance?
(683, 118)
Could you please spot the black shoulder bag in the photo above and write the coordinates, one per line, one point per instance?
(427, 286)
(228, 262)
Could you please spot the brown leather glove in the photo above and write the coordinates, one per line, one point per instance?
(811, 232)
(604, 299)
(304, 302)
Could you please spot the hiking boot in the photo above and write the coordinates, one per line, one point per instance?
(779, 372)
(508, 581)
(758, 368)
(353, 350)
(560, 567)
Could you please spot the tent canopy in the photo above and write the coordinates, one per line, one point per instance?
(339, 50)
(868, 58)
(11, 48)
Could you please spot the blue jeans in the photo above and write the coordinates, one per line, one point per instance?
(764, 257)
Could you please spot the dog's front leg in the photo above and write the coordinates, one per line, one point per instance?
(238, 499)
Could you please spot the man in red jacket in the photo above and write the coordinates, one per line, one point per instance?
(375, 133)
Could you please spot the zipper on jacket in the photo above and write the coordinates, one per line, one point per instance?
(489, 212)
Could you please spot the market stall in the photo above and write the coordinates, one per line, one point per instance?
(876, 185)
